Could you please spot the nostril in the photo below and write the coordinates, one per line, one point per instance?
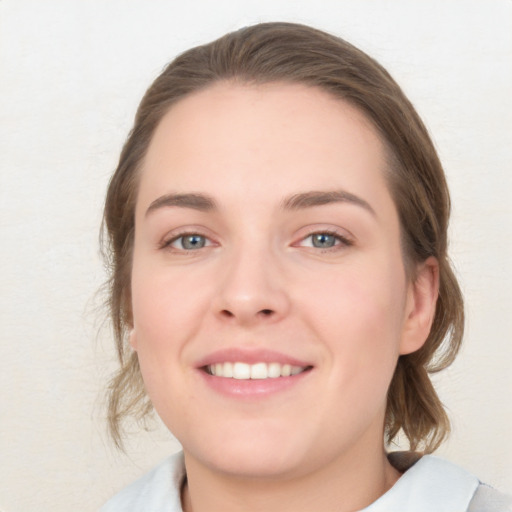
(228, 314)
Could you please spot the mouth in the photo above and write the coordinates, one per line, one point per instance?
(256, 371)
(252, 374)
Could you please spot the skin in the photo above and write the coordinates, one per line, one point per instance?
(259, 282)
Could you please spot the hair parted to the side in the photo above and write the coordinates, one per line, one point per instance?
(291, 53)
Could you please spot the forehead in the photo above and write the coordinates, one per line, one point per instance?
(270, 137)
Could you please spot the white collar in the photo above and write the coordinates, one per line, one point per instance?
(432, 484)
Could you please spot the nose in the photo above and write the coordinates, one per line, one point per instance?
(252, 289)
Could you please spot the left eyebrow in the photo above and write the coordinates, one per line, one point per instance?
(320, 198)
(198, 202)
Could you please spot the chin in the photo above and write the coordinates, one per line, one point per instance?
(254, 464)
(251, 454)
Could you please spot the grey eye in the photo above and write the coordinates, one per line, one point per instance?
(323, 240)
(191, 242)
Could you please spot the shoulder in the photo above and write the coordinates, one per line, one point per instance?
(428, 483)
(487, 499)
(156, 491)
(432, 483)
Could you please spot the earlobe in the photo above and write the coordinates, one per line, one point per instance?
(132, 339)
(421, 306)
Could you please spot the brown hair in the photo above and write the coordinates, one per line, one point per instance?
(284, 52)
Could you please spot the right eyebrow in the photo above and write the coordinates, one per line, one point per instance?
(199, 202)
(320, 198)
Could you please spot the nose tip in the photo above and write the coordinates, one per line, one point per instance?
(251, 290)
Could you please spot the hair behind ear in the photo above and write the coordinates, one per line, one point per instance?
(414, 406)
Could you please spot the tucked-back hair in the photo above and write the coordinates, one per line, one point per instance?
(291, 53)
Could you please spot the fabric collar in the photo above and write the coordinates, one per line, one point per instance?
(430, 484)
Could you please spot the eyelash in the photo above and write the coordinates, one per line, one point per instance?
(167, 243)
(342, 240)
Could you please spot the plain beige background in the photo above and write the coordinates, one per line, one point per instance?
(71, 75)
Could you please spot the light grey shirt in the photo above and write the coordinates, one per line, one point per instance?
(430, 484)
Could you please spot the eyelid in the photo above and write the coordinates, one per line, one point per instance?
(344, 238)
(174, 235)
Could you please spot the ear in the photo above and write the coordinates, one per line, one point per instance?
(421, 306)
(132, 339)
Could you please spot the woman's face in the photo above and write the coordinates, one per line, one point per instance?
(270, 301)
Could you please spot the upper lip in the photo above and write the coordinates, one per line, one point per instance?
(250, 356)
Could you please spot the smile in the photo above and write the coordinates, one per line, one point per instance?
(244, 371)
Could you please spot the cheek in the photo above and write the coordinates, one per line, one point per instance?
(359, 316)
(166, 303)
(162, 318)
(358, 296)
(356, 317)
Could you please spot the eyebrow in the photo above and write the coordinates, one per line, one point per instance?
(320, 198)
(199, 202)
(204, 203)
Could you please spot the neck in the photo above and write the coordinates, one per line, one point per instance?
(345, 484)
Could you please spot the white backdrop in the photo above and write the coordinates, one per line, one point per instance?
(71, 75)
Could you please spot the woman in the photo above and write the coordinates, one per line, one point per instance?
(280, 286)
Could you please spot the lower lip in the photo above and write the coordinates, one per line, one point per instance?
(252, 388)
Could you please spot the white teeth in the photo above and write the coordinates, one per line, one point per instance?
(241, 371)
(244, 371)
(227, 370)
(295, 370)
(274, 370)
(259, 371)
